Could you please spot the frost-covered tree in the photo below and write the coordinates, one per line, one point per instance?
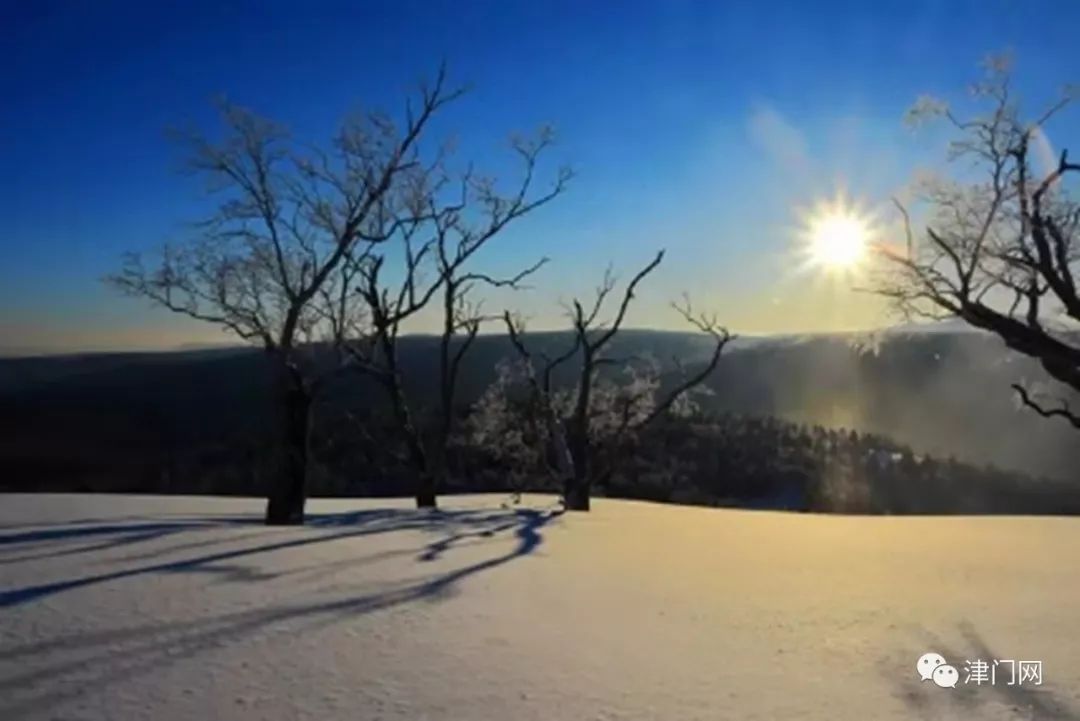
(289, 219)
(584, 426)
(298, 248)
(1001, 247)
(503, 422)
(443, 225)
(506, 422)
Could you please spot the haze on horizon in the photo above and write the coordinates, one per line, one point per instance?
(700, 128)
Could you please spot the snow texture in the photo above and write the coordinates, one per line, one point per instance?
(166, 608)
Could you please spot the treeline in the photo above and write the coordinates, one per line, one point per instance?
(715, 459)
(769, 463)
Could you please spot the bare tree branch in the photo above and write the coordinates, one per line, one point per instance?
(1001, 254)
(579, 442)
(709, 325)
(1062, 411)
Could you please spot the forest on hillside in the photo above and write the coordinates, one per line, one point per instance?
(186, 423)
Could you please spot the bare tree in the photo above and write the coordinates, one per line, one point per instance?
(289, 221)
(443, 228)
(999, 253)
(578, 444)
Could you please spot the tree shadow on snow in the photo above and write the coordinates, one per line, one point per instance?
(339, 526)
(926, 701)
(97, 658)
(112, 520)
(84, 536)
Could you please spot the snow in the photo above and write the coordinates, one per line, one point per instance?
(164, 608)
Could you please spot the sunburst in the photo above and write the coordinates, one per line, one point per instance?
(836, 237)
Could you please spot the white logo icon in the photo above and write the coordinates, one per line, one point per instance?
(932, 666)
(927, 663)
(946, 676)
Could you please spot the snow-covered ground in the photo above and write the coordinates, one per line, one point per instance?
(185, 608)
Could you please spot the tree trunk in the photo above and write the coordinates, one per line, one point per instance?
(578, 484)
(425, 492)
(288, 489)
(577, 495)
(418, 457)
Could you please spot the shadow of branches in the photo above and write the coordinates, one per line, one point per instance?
(340, 526)
(98, 658)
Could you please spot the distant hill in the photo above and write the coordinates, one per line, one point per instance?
(941, 392)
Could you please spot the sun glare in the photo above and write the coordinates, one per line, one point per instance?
(836, 236)
(838, 240)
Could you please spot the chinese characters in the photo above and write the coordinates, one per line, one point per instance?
(932, 666)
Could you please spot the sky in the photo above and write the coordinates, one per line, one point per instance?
(698, 127)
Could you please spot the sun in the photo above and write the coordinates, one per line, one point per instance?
(836, 236)
(838, 240)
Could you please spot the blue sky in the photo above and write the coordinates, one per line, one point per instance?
(696, 126)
